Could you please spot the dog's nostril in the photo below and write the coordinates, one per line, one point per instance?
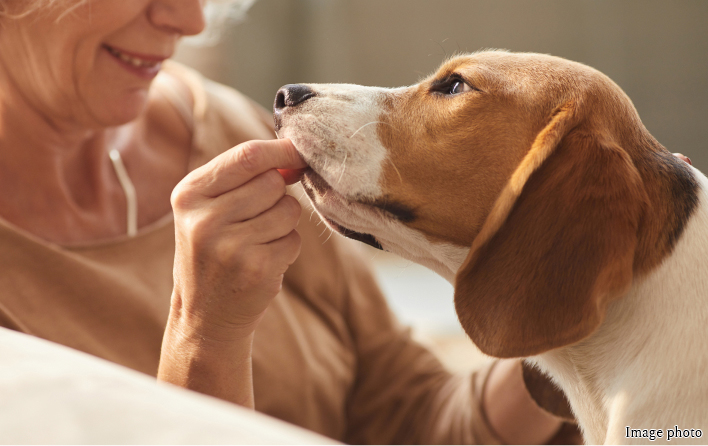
(292, 95)
(297, 94)
(279, 100)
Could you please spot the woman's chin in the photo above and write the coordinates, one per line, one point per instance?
(121, 110)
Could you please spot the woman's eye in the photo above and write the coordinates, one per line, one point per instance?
(458, 87)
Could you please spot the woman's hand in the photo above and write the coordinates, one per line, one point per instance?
(235, 238)
(511, 411)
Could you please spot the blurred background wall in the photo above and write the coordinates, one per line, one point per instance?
(656, 50)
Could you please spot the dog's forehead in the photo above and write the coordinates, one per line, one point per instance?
(511, 61)
(516, 69)
(453, 65)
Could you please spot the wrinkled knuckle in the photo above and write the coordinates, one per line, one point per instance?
(180, 197)
(274, 181)
(256, 270)
(248, 156)
(197, 227)
(292, 208)
(288, 250)
(225, 253)
(295, 244)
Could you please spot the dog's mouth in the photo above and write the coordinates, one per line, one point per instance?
(314, 186)
(364, 238)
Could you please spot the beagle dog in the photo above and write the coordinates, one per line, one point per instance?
(571, 235)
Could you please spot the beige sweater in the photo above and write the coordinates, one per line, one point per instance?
(328, 356)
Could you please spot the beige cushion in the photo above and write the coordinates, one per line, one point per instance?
(53, 394)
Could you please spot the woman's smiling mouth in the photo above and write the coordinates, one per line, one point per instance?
(145, 66)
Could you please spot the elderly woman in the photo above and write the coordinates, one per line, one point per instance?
(117, 174)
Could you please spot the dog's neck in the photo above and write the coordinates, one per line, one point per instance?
(600, 373)
(640, 346)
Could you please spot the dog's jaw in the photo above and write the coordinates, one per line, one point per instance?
(375, 227)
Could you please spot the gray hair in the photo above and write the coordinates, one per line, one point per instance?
(219, 14)
(29, 6)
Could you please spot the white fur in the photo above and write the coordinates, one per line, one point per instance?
(335, 133)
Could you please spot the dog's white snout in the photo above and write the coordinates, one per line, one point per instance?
(335, 129)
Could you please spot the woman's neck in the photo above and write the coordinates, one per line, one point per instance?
(59, 181)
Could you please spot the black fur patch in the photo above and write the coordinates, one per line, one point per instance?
(683, 190)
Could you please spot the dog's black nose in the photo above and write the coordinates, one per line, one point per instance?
(292, 95)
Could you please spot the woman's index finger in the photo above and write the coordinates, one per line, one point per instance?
(240, 164)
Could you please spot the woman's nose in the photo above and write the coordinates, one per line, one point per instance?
(185, 17)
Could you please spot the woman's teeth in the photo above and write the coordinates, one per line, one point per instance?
(134, 61)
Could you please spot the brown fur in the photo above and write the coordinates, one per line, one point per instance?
(553, 258)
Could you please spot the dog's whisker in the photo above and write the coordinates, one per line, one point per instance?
(444, 53)
(325, 230)
(400, 178)
(344, 166)
(368, 123)
(330, 236)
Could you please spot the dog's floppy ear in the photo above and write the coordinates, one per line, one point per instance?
(557, 246)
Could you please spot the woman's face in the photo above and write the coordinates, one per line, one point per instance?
(93, 65)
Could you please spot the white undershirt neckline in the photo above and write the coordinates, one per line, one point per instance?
(129, 191)
(186, 111)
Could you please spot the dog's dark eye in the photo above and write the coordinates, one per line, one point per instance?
(457, 87)
(450, 86)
